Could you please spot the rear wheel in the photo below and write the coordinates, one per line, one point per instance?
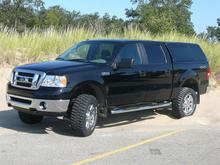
(83, 115)
(29, 118)
(185, 103)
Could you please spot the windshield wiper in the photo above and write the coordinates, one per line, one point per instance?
(59, 58)
(80, 60)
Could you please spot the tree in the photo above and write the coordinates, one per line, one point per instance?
(213, 32)
(55, 16)
(159, 16)
(110, 24)
(19, 13)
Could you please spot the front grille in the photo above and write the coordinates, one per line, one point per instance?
(21, 100)
(26, 74)
(27, 79)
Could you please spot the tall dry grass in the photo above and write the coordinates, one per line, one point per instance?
(38, 45)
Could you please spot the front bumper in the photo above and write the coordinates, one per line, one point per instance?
(37, 105)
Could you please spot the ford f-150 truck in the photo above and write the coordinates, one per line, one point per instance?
(95, 78)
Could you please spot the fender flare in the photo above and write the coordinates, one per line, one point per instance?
(188, 75)
(99, 89)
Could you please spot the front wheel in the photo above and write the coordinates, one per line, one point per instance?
(29, 118)
(185, 103)
(83, 115)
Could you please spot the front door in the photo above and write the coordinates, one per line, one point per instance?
(126, 85)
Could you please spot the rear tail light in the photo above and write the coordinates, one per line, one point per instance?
(208, 73)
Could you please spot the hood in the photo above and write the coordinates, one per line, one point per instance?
(56, 66)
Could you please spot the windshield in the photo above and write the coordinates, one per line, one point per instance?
(97, 52)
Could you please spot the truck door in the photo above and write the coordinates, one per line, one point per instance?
(158, 72)
(125, 85)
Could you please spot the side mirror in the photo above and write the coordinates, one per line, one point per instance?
(125, 63)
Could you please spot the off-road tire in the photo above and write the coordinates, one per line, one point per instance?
(79, 108)
(29, 118)
(177, 106)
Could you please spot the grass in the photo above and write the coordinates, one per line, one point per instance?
(35, 45)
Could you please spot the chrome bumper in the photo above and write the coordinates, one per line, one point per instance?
(56, 106)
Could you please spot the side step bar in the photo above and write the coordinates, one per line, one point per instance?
(139, 108)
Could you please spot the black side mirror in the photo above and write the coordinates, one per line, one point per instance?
(125, 63)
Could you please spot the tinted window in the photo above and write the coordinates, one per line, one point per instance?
(198, 53)
(155, 54)
(186, 52)
(130, 51)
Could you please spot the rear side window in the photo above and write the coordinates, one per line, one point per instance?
(198, 53)
(186, 52)
(155, 54)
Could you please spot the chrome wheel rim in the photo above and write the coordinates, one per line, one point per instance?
(188, 104)
(91, 116)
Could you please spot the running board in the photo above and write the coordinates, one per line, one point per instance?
(139, 108)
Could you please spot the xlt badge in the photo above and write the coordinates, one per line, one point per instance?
(105, 73)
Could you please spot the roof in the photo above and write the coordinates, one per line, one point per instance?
(121, 40)
(127, 40)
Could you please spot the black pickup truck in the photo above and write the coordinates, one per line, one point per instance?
(100, 77)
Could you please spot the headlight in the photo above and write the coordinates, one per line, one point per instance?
(54, 81)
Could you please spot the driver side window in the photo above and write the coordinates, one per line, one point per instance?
(130, 51)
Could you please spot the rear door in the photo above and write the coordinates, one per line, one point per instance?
(158, 72)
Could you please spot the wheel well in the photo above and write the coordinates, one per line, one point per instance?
(193, 84)
(91, 89)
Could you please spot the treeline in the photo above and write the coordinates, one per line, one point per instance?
(29, 14)
(213, 32)
(154, 16)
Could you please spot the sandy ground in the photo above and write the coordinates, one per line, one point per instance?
(208, 112)
(51, 142)
(4, 78)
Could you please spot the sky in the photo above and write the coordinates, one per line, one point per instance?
(205, 13)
